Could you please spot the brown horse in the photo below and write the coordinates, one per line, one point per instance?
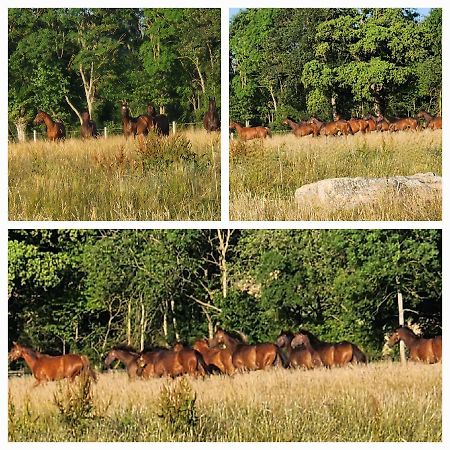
(133, 126)
(371, 122)
(88, 126)
(222, 358)
(127, 357)
(358, 125)
(248, 356)
(383, 124)
(432, 122)
(159, 123)
(55, 129)
(407, 123)
(301, 129)
(247, 133)
(331, 354)
(331, 128)
(211, 121)
(420, 349)
(300, 356)
(51, 368)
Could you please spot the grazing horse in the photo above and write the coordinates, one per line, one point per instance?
(211, 121)
(158, 122)
(247, 356)
(331, 128)
(88, 126)
(51, 368)
(55, 129)
(331, 354)
(133, 126)
(247, 133)
(215, 357)
(358, 125)
(407, 123)
(127, 357)
(434, 123)
(301, 129)
(420, 349)
(371, 122)
(298, 356)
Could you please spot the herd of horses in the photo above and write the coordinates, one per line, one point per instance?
(225, 353)
(139, 126)
(340, 126)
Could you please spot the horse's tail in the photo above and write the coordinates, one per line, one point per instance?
(87, 368)
(358, 355)
(269, 133)
(280, 359)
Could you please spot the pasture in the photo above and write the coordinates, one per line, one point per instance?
(264, 174)
(173, 178)
(381, 401)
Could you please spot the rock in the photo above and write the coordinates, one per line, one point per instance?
(347, 193)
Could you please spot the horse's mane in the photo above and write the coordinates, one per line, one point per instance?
(313, 339)
(125, 347)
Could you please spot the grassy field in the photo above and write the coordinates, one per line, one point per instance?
(264, 175)
(174, 178)
(378, 402)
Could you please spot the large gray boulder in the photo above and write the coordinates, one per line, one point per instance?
(347, 193)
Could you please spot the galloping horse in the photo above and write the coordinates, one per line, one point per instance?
(300, 129)
(247, 133)
(298, 356)
(133, 126)
(358, 125)
(331, 128)
(383, 124)
(331, 354)
(55, 129)
(51, 368)
(371, 122)
(88, 126)
(407, 123)
(127, 357)
(247, 356)
(211, 121)
(434, 123)
(158, 122)
(420, 349)
(222, 358)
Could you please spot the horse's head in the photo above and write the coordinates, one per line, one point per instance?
(200, 344)
(178, 347)
(285, 122)
(124, 110)
(394, 338)
(141, 363)
(39, 118)
(16, 352)
(219, 338)
(110, 357)
(151, 111)
(283, 340)
(232, 125)
(86, 116)
(299, 340)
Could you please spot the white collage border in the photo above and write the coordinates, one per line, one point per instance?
(225, 5)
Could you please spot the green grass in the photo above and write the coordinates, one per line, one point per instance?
(265, 174)
(175, 178)
(378, 402)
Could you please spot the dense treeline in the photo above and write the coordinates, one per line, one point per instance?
(303, 62)
(87, 290)
(94, 58)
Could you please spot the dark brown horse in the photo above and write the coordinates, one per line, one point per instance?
(133, 126)
(55, 129)
(127, 357)
(211, 121)
(300, 356)
(301, 129)
(331, 128)
(420, 349)
(331, 354)
(247, 133)
(248, 356)
(222, 358)
(51, 368)
(88, 126)
(432, 122)
(159, 123)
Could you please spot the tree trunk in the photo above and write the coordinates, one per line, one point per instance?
(401, 321)
(74, 109)
(333, 105)
(88, 87)
(129, 324)
(142, 326)
(174, 319)
(274, 100)
(21, 127)
(224, 242)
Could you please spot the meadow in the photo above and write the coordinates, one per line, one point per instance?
(173, 178)
(381, 401)
(265, 174)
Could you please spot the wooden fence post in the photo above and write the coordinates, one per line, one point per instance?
(34, 135)
(174, 127)
(105, 132)
(401, 321)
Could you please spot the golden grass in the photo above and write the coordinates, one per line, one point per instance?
(108, 179)
(265, 174)
(378, 402)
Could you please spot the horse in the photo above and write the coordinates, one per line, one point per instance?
(371, 122)
(215, 357)
(331, 354)
(407, 123)
(383, 124)
(248, 356)
(331, 128)
(88, 126)
(420, 349)
(55, 129)
(51, 368)
(158, 122)
(358, 125)
(298, 356)
(127, 357)
(432, 122)
(133, 126)
(300, 129)
(247, 133)
(211, 120)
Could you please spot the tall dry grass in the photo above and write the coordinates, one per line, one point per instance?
(377, 402)
(265, 174)
(112, 179)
